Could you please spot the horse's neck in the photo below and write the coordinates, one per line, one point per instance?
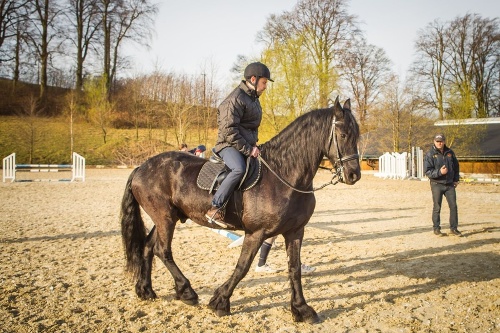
(298, 168)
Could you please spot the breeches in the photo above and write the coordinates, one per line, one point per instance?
(235, 161)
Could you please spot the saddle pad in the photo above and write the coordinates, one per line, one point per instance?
(208, 175)
(207, 178)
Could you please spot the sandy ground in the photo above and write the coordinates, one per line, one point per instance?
(379, 267)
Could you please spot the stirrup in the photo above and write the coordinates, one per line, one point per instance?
(212, 220)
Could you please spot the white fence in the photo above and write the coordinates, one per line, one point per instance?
(402, 166)
(10, 168)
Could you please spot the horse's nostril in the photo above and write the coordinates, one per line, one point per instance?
(354, 177)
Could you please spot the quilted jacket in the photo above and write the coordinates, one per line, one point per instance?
(238, 120)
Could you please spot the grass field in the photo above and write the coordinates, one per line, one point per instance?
(48, 140)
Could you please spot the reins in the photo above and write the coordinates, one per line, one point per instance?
(338, 173)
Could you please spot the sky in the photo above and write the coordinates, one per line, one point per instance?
(192, 35)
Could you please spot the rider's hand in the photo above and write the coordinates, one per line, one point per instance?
(443, 170)
(255, 152)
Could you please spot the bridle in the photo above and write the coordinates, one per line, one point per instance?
(338, 167)
(339, 161)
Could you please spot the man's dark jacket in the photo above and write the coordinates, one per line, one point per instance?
(434, 160)
(238, 119)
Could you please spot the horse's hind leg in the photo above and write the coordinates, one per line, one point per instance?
(144, 287)
(163, 249)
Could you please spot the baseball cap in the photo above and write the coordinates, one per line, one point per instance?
(439, 137)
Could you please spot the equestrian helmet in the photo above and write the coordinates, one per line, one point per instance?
(258, 70)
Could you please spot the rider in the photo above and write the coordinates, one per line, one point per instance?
(238, 119)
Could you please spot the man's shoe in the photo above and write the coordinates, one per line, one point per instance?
(456, 232)
(216, 215)
(438, 232)
(266, 269)
(307, 269)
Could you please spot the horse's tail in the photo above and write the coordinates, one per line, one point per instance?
(133, 230)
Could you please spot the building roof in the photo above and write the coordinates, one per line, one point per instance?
(489, 146)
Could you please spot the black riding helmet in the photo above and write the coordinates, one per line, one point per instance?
(258, 70)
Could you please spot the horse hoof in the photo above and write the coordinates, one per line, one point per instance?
(222, 313)
(308, 315)
(313, 320)
(190, 301)
(188, 296)
(147, 295)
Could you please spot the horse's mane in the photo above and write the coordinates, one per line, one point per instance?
(304, 140)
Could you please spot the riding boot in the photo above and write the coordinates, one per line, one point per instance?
(216, 215)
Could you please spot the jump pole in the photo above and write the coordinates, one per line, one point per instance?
(237, 240)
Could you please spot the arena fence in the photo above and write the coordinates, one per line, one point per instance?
(402, 165)
(10, 168)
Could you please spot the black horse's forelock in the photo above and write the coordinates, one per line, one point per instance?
(302, 139)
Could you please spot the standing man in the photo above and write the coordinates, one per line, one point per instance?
(238, 120)
(441, 166)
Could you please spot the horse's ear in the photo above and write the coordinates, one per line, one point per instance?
(337, 103)
(347, 104)
(337, 109)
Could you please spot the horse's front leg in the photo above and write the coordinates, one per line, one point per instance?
(220, 302)
(300, 310)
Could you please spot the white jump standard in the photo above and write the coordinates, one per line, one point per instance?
(10, 168)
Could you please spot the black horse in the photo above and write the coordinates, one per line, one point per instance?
(282, 202)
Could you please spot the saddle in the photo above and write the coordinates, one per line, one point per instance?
(214, 171)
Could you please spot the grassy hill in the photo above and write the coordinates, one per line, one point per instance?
(48, 140)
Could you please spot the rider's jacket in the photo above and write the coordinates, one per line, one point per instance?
(238, 120)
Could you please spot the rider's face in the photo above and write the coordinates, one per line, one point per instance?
(261, 86)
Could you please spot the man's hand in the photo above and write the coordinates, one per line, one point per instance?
(255, 152)
(443, 170)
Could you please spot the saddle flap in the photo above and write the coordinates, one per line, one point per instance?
(212, 174)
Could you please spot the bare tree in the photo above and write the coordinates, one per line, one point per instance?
(475, 43)
(11, 13)
(431, 46)
(122, 20)
(44, 31)
(180, 108)
(403, 118)
(459, 60)
(84, 19)
(210, 100)
(365, 69)
(30, 128)
(71, 110)
(14, 19)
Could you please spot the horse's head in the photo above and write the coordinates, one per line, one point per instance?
(343, 143)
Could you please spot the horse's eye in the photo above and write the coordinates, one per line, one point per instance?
(343, 136)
